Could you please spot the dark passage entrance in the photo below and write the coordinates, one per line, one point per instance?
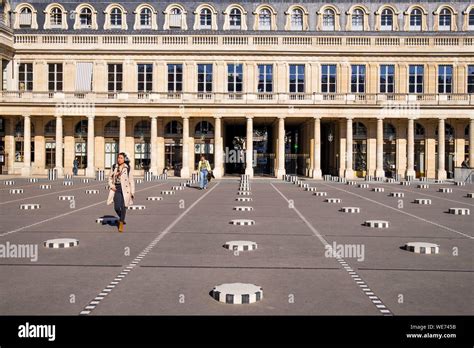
(234, 160)
(328, 140)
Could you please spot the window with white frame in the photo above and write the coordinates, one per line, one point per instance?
(235, 78)
(204, 77)
(145, 18)
(235, 19)
(56, 17)
(25, 77)
(55, 77)
(357, 78)
(387, 79)
(85, 18)
(116, 18)
(175, 18)
(297, 78)
(26, 17)
(471, 20)
(358, 19)
(328, 78)
(115, 77)
(175, 78)
(415, 78)
(329, 20)
(264, 19)
(445, 79)
(416, 20)
(145, 77)
(470, 79)
(386, 19)
(296, 19)
(265, 78)
(205, 19)
(445, 18)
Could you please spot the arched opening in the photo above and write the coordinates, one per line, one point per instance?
(235, 19)
(56, 17)
(111, 143)
(85, 18)
(358, 20)
(50, 144)
(296, 22)
(80, 144)
(416, 19)
(466, 147)
(3, 155)
(264, 19)
(116, 18)
(445, 19)
(173, 147)
(145, 18)
(386, 20)
(420, 152)
(19, 141)
(205, 19)
(204, 142)
(359, 149)
(329, 20)
(449, 150)
(142, 140)
(389, 150)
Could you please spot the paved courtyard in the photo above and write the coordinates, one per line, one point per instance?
(171, 254)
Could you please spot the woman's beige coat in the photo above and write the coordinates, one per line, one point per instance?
(128, 185)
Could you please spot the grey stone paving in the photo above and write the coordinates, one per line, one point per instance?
(188, 259)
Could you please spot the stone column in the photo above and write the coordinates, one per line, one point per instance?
(59, 146)
(411, 149)
(441, 173)
(122, 133)
(249, 148)
(185, 168)
(349, 172)
(317, 174)
(281, 171)
(154, 135)
(471, 143)
(26, 170)
(90, 170)
(218, 148)
(379, 171)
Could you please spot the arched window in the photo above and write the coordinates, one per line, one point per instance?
(85, 18)
(174, 128)
(419, 131)
(145, 18)
(112, 129)
(471, 20)
(81, 129)
(204, 128)
(142, 129)
(448, 132)
(296, 19)
(386, 19)
(50, 128)
(205, 19)
(389, 131)
(445, 19)
(56, 17)
(175, 18)
(235, 19)
(329, 20)
(416, 18)
(359, 130)
(358, 19)
(264, 19)
(26, 17)
(116, 18)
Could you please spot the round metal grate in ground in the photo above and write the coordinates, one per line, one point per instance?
(136, 207)
(237, 293)
(242, 208)
(376, 223)
(397, 194)
(350, 209)
(92, 192)
(167, 192)
(29, 206)
(16, 191)
(459, 211)
(378, 189)
(321, 194)
(445, 190)
(242, 222)
(45, 187)
(66, 198)
(332, 200)
(240, 245)
(422, 248)
(154, 198)
(424, 201)
(61, 243)
(243, 199)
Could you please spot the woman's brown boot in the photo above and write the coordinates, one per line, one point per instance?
(120, 227)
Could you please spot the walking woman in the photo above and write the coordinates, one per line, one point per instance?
(203, 168)
(122, 188)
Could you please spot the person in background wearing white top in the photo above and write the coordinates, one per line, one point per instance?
(203, 168)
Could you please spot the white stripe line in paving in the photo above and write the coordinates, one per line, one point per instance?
(65, 214)
(325, 243)
(161, 236)
(404, 212)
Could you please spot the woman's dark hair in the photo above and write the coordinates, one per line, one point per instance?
(126, 159)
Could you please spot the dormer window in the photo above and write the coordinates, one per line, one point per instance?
(145, 18)
(116, 18)
(415, 20)
(386, 20)
(358, 20)
(175, 18)
(26, 18)
(235, 19)
(445, 18)
(56, 19)
(296, 19)
(329, 20)
(264, 19)
(205, 19)
(85, 18)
